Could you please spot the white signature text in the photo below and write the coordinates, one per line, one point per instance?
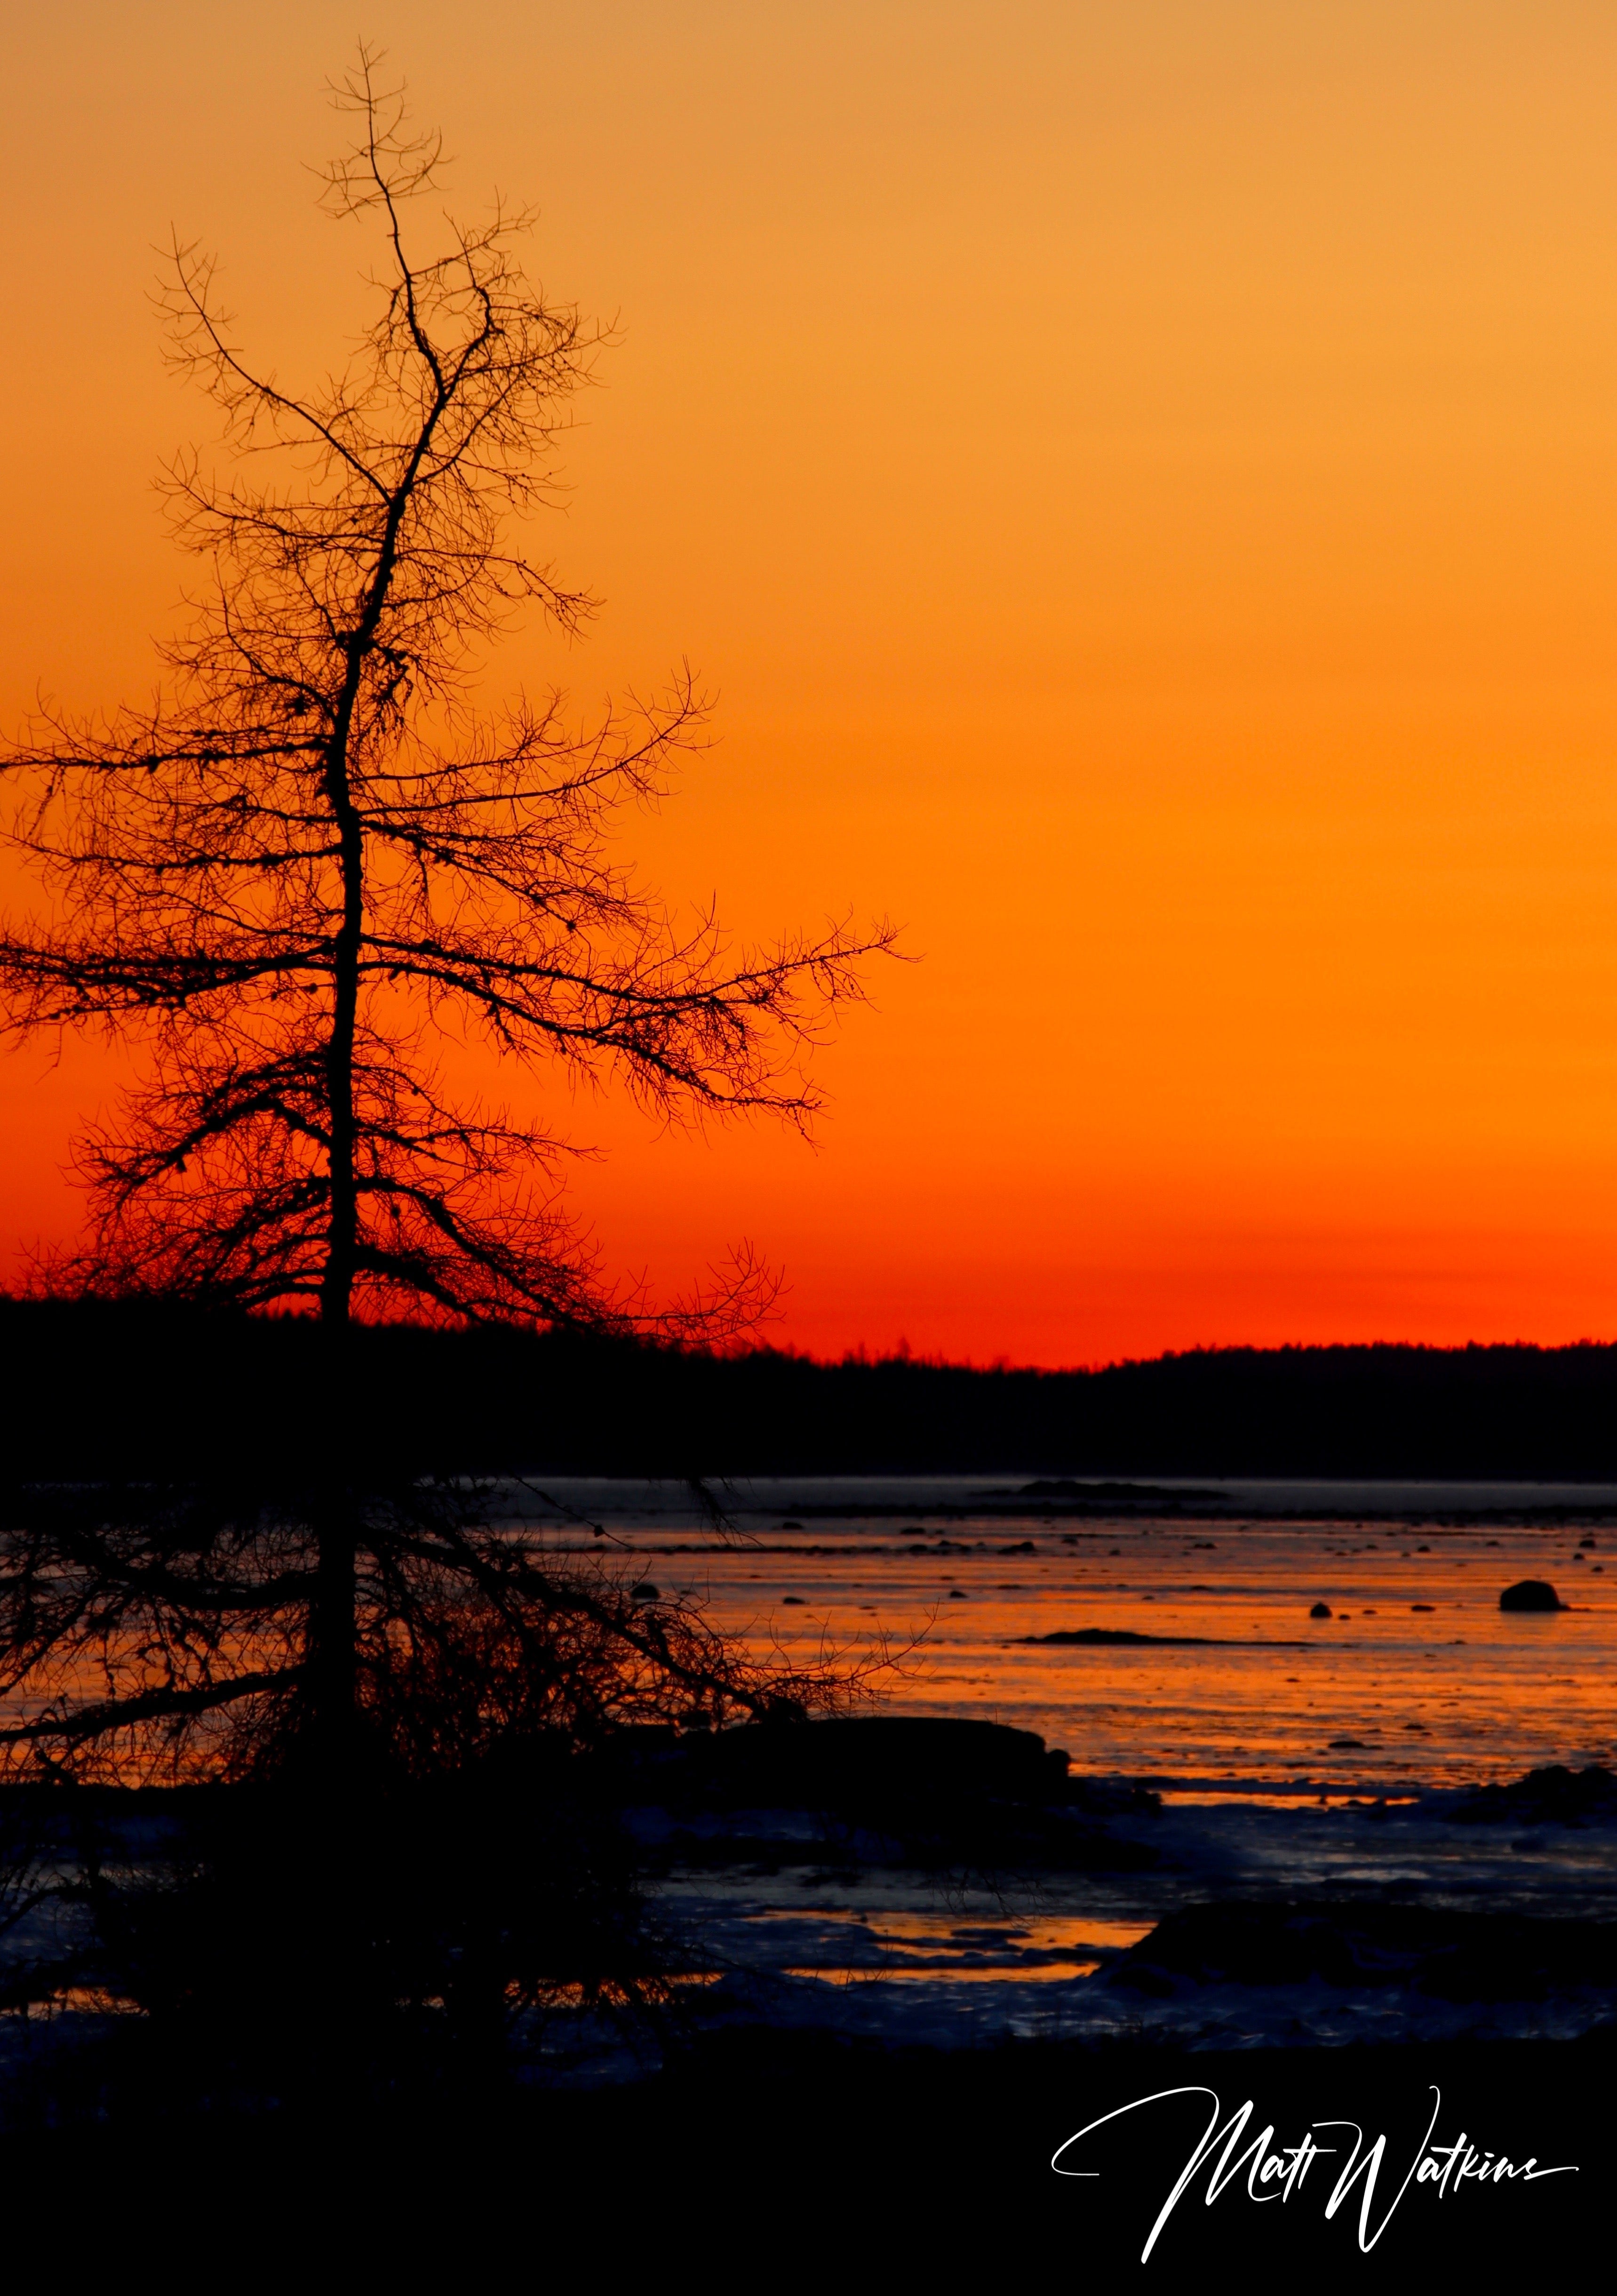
(1275, 2172)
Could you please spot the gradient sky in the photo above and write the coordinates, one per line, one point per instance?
(1141, 478)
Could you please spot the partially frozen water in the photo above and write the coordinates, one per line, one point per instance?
(1295, 1757)
(1416, 1679)
(1270, 1735)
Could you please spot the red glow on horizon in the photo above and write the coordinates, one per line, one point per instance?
(1199, 642)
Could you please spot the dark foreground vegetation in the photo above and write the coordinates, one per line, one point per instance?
(224, 1962)
(827, 2157)
(114, 1389)
(388, 2099)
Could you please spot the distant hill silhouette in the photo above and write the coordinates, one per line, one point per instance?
(123, 1389)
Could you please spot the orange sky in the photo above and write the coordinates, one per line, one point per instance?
(1142, 479)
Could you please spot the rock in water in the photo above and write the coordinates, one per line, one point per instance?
(1530, 1594)
(1320, 1610)
(1552, 1796)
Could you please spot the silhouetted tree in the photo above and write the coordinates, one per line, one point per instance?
(312, 854)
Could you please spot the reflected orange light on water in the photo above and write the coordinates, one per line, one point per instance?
(1416, 1680)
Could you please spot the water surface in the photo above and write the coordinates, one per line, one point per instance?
(1416, 1680)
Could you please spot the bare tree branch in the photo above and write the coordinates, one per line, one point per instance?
(313, 854)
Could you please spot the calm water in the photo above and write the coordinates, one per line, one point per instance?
(1417, 1664)
(1237, 1731)
(1291, 1753)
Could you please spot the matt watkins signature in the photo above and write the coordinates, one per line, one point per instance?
(1276, 2172)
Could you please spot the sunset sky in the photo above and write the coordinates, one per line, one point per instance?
(1141, 479)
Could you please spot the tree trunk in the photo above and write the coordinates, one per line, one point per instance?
(331, 1640)
(332, 1626)
(342, 1230)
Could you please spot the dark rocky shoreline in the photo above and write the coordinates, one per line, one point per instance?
(1240, 1942)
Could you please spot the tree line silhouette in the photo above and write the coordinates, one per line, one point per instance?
(133, 1387)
